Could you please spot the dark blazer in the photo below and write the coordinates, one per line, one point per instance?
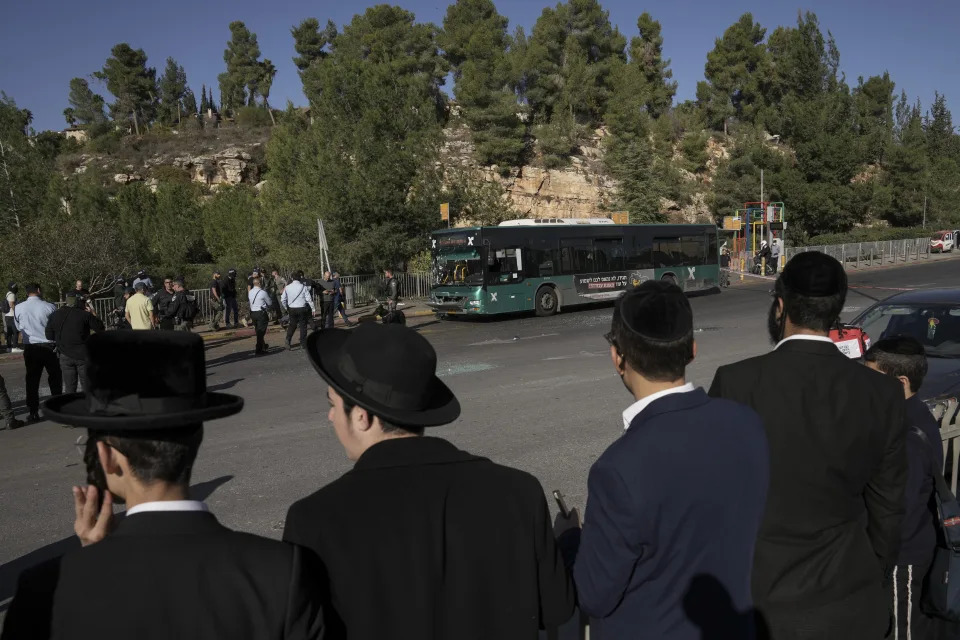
(164, 575)
(924, 460)
(831, 530)
(422, 540)
(673, 510)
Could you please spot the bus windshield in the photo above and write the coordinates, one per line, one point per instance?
(461, 267)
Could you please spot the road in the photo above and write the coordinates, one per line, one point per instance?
(537, 393)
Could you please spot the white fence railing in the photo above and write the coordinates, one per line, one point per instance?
(869, 254)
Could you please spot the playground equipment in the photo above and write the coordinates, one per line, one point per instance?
(755, 222)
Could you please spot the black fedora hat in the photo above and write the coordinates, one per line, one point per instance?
(389, 370)
(143, 380)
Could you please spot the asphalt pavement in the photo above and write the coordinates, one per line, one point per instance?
(539, 394)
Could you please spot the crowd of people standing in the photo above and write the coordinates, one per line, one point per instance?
(794, 500)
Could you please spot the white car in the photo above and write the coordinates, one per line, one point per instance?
(943, 241)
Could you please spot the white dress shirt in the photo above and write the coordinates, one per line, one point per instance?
(259, 300)
(804, 336)
(297, 295)
(634, 410)
(168, 505)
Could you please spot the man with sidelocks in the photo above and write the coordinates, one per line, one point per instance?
(169, 569)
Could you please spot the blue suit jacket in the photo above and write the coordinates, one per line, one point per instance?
(673, 511)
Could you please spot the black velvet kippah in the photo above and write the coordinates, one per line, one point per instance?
(657, 311)
(815, 275)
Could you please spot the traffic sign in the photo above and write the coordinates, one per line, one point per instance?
(445, 212)
(621, 217)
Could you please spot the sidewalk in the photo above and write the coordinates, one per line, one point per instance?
(412, 309)
(735, 275)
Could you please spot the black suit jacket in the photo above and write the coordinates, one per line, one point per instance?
(422, 540)
(837, 475)
(165, 575)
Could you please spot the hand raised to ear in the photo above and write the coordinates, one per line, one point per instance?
(92, 524)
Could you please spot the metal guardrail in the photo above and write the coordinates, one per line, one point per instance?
(365, 289)
(869, 254)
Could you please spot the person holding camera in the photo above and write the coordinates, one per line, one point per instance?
(69, 327)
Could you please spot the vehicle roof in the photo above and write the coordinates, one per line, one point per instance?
(605, 227)
(926, 296)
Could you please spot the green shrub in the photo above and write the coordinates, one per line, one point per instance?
(169, 173)
(249, 117)
(869, 234)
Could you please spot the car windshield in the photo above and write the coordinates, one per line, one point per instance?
(937, 236)
(462, 267)
(935, 326)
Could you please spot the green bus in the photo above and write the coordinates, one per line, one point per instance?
(543, 267)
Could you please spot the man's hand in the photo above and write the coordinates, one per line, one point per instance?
(562, 525)
(92, 525)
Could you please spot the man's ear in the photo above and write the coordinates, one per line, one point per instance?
(905, 381)
(109, 459)
(694, 351)
(361, 419)
(617, 360)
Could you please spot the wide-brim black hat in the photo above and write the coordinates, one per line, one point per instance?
(389, 370)
(143, 380)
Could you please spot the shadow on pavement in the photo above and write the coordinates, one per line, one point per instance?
(240, 356)
(223, 386)
(10, 571)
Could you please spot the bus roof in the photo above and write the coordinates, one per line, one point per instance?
(605, 227)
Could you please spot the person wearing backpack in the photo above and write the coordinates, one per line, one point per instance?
(183, 307)
(7, 306)
(904, 358)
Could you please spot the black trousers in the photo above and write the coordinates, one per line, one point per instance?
(74, 371)
(10, 332)
(167, 324)
(231, 304)
(260, 321)
(298, 318)
(328, 312)
(37, 358)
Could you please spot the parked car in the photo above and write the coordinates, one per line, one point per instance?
(943, 241)
(932, 316)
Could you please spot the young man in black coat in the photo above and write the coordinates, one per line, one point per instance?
(828, 542)
(422, 540)
(904, 359)
(660, 557)
(169, 569)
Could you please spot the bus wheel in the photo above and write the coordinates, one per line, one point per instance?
(546, 301)
(669, 278)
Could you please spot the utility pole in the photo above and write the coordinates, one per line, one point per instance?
(924, 211)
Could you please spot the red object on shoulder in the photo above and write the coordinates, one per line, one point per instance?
(852, 341)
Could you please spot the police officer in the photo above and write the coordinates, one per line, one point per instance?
(230, 299)
(216, 299)
(144, 278)
(260, 304)
(162, 301)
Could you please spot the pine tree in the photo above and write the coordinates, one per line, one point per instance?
(267, 73)
(311, 44)
(938, 126)
(475, 43)
(132, 83)
(239, 83)
(204, 103)
(571, 57)
(86, 107)
(173, 87)
(874, 100)
(646, 51)
(734, 73)
(190, 104)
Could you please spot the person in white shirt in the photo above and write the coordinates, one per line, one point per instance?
(297, 299)
(39, 353)
(9, 325)
(260, 313)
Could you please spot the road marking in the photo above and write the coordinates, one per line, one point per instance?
(582, 354)
(510, 340)
(444, 371)
(851, 309)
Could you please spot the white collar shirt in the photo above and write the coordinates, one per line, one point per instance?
(803, 336)
(631, 412)
(168, 505)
